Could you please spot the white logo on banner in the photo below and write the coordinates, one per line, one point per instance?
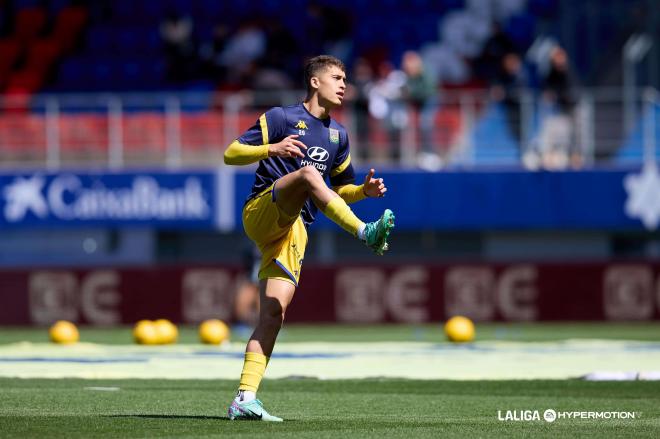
(644, 196)
(67, 199)
(477, 293)
(207, 294)
(59, 295)
(628, 292)
(23, 195)
(366, 295)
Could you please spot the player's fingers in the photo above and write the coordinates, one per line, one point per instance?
(298, 143)
(292, 136)
(383, 191)
(296, 152)
(372, 171)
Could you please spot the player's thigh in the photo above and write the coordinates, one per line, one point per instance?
(292, 190)
(275, 296)
(262, 220)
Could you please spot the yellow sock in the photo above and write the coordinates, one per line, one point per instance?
(254, 368)
(339, 212)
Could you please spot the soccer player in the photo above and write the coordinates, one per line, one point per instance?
(297, 147)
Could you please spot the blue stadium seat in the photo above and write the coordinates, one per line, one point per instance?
(492, 142)
(22, 4)
(632, 150)
(55, 6)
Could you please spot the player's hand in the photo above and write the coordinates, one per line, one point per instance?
(289, 147)
(374, 187)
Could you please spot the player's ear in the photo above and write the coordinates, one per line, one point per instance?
(314, 81)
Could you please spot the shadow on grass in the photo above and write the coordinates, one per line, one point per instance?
(193, 417)
(198, 417)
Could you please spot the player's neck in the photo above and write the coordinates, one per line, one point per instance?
(315, 108)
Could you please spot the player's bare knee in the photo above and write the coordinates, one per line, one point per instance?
(310, 176)
(271, 322)
(272, 312)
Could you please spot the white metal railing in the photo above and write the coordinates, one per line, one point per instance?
(466, 129)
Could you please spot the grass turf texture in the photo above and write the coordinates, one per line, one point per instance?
(531, 332)
(365, 408)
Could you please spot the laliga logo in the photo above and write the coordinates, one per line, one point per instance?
(318, 154)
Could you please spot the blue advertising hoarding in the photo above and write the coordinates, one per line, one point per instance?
(69, 199)
(213, 199)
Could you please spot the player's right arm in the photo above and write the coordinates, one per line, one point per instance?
(255, 144)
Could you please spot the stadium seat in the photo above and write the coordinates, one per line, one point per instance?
(30, 22)
(202, 131)
(632, 151)
(41, 55)
(144, 131)
(69, 23)
(24, 82)
(22, 133)
(10, 51)
(492, 143)
(86, 133)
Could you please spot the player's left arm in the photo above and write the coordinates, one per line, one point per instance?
(342, 178)
(372, 187)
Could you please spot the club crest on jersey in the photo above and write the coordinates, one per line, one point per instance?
(334, 135)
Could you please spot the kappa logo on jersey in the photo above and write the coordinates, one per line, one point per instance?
(318, 154)
(301, 125)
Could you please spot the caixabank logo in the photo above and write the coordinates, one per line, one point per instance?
(74, 198)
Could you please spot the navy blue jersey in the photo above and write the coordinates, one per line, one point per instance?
(327, 149)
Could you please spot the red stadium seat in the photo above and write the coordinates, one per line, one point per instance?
(84, 133)
(68, 25)
(202, 131)
(30, 22)
(24, 82)
(10, 51)
(22, 134)
(42, 54)
(144, 132)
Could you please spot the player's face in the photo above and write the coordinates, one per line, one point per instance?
(332, 85)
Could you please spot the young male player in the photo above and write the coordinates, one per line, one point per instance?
(297, 147)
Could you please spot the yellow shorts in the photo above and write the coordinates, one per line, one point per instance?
(281, 238)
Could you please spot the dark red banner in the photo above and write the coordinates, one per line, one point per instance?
(350, 294)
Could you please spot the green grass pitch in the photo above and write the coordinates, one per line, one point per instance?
(319, 409)
(396, 408)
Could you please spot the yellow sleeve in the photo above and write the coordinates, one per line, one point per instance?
(241, 154)
(350, 192)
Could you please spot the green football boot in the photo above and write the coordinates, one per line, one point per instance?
(376, 233)
(250, 411)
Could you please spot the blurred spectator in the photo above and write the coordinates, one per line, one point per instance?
(421, 94)
(557, 137)
(282, 50)
(211, 52)
(243, 49)
(510, 83)
(496, 47)
(246, 303)
(358, 93)
(280, 61)
(386, 104)
(176, 32)
(328, 30)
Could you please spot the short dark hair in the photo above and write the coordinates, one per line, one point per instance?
(314, 65)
